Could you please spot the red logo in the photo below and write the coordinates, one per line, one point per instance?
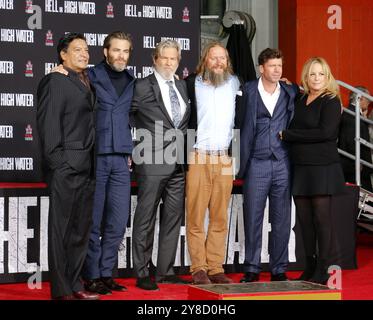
(109, 10)
(28, 134)
(185, 14)
(28, 6)
(49, 39)
(29, 72)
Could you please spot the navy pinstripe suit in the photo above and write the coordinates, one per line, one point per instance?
(265, 168)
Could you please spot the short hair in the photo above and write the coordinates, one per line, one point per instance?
(331, 86)
(167, 43)
(202, 62)
(64, 42)
(268, 54)
(353, 95)
(117, 35)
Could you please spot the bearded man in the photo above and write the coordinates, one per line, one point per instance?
(213, 91)
(113, 85)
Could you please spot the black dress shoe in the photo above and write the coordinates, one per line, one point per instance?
(250, 277)
(85, 295)
(96, 286)
(173, 279)
(111, 284)
(146, 283)
(279, 277)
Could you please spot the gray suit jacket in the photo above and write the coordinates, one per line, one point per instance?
(159, 146)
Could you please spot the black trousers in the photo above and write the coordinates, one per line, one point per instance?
(151, 189)
(70, 218)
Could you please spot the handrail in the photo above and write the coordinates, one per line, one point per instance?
(351, 88)
(358, 140)
(368, 121)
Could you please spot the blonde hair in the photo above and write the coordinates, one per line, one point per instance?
(201, 68)
(331, 87)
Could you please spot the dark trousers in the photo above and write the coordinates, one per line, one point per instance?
(110, 214)
(267, 178)
(151, 189)
(314, 217)
(70, 216)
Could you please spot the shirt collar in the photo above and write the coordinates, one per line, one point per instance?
(160, 79)
(262, 90)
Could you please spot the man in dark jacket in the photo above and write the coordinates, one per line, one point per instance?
(114, 90)
(66, 129)
(346, 140)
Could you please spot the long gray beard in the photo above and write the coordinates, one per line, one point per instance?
(216, 79)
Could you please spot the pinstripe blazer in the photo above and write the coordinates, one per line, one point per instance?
(65, 120)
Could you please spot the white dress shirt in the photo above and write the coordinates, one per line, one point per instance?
(215, 112)
(165, 91)
(269, 100)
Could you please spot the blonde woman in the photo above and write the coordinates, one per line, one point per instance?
(317, 173)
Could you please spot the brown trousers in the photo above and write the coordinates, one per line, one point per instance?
(209, 184)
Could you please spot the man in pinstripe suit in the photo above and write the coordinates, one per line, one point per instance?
(66, 129)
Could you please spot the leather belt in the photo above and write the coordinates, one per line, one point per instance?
(212, 152)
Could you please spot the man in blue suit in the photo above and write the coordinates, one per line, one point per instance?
(264, 165)
(114, 89)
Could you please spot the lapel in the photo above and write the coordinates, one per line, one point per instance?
(158, 95)
(103, 78)
(184, 95)
(88, 93)
(279, 101)
(253, 93)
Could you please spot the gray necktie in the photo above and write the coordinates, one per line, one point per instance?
(175, 104)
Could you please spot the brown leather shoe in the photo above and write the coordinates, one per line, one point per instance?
(85, 295)
(200, 277)
(220, 278)
(70, 297)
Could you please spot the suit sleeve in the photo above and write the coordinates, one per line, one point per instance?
(136, 101)
(49, 120)
(328, 125)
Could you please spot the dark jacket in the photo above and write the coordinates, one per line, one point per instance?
(148, 112)
(249, 124)
(113, 131)
(65, 119)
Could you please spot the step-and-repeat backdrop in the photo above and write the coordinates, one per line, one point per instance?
(29, 32)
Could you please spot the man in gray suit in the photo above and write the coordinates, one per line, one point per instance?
(160, 112)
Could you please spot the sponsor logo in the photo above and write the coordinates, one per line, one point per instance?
(185, 15)
(28, 72)
(6, 132)
(19, 164)
(28, 133)
(28, 8)
(149, 12)
(16, 100)
(6, 67)
(49, 39)
(184, 42)
(95, 39)
(6, 4)
(15, 35)
(109, 10)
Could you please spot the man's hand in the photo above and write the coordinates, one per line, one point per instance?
(129, 162)
(286, 81)
(60, 69)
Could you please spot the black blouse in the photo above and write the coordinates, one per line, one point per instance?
(313, 131)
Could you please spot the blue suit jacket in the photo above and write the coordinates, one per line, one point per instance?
(113, 131)
(248, 127)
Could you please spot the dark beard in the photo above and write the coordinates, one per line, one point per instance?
(215, 79)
